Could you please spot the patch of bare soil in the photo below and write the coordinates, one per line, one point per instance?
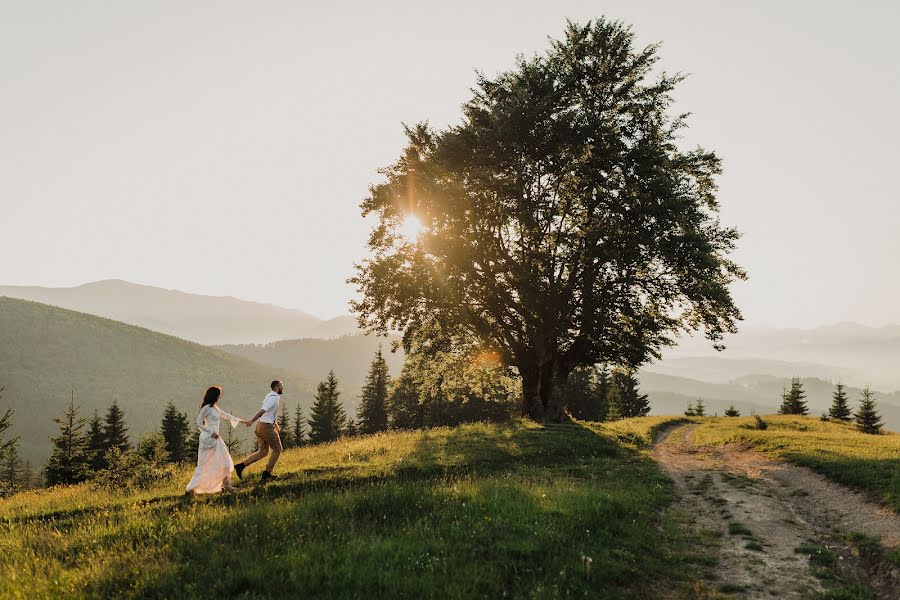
(782, 527)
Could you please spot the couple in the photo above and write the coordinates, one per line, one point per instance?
(214, 464)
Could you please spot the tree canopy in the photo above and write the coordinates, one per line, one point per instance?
(562, 224)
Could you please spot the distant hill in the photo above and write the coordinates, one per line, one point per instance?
(855, 353)
(47, 351)
(751, 393)
(207, 320)
(349, 356)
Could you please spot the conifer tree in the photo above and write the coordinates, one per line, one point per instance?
(840, 409)
(581, 395)
(690, 411)
(792, 400)
(351, 429)
(328, 419)
(68, 462)
(298, 434)
(5, 424)
(372, 412)
(115, 432)
(13, 476)
(284, 429)
(634, 404)
(175, 430)
(700, 408)
(96, 443)
(732, 412)
(613, 402)
(867, 418)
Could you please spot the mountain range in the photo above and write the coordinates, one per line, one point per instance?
(206, 320)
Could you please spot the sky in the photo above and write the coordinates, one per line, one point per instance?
(224, 147)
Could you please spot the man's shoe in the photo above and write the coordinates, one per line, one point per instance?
(239, 469)
(266, 476)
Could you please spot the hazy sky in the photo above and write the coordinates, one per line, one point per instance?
(223, 147)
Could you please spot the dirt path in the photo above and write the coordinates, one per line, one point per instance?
(763, 510)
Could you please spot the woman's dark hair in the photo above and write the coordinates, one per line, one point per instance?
(212, 396)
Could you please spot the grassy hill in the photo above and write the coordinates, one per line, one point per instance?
(203, 319)
(515, 510)
(45, 352)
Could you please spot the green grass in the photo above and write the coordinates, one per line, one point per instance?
(868, 463)
(519, 510)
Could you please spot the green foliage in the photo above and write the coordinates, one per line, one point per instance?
(115, 432)
(70, 460)
(175, 430)
(867, 417)
(476, 511)
(732, 411)
(5, 424)
(586, 390)
(373, 416)
(96, 443)
(543, 243)
(446, 381)
(328, 418)
(840, 409)
(14, 474)
(614, 410)
(284, 428)
(792, 400)
(634, 404)
(298, 433)
(147, 466)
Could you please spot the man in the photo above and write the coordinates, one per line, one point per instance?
(266, 432)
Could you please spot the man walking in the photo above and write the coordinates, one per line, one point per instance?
(266, 432)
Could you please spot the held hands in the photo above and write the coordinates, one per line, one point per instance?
(246, 422)
(215, 435)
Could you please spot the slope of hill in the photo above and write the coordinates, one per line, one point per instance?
(480, 511)
(45, 352)
(203, 319)
(349, 356)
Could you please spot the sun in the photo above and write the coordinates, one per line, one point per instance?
(411, 227)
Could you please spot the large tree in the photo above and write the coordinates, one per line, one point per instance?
(562, 224)
(328, 418)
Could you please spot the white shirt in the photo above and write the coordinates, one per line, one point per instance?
(270, 406)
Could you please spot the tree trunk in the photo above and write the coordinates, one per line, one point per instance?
(532, 407)
(543, 391)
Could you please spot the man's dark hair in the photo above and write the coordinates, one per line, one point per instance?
(274, 384)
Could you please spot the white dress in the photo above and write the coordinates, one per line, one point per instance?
(214, 462)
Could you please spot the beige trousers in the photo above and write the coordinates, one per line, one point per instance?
(268, 439)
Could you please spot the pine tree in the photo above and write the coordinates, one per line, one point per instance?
(284, 429)
(5, 424)
(68, 462)
(792, 400)
(351, 429)
(115, 432)
(613, 402)
(700, 408)
(690, 411)
(867, 418)
(298, 434)
(586, 393)
(840, 409)
(96, 443)
(634, 404)
(372, 412)
(328, 418)
(174, 428)
(732, 412)
(13, 476)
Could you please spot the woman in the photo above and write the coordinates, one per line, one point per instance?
(214, 464)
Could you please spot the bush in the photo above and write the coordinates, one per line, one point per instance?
(140, 469)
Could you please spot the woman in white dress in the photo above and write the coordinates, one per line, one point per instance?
(214, 464)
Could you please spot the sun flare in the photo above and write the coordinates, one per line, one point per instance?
(411, 227)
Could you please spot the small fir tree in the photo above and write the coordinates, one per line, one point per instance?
(867, 418)
(613, 403)
(328, 419)
(96, 443)
(732, 411)
(175, 431)
(68, 462)
(13, 476)
(700, 408)
(284, 429)
(373, 416)
(634, 404)
(115, 432)
(840, 408)
(298, 434)
(792, 400)
(690, 411)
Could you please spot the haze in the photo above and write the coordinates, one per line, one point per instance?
(223, 147)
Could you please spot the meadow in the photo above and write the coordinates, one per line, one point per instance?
(516, 510)
(870, 464)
